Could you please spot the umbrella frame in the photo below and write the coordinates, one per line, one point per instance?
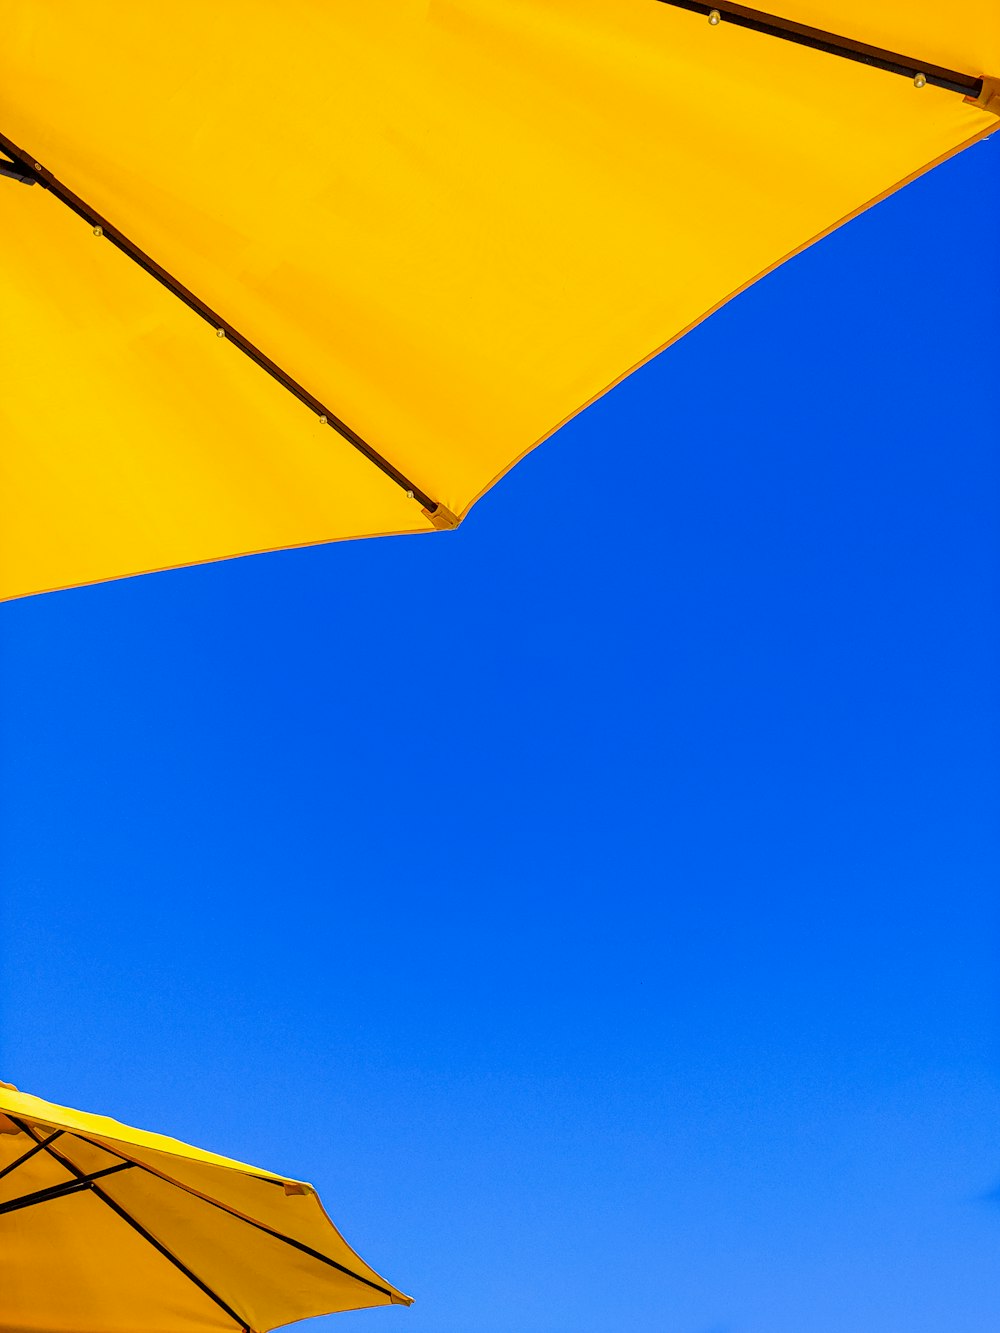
(83, 1181)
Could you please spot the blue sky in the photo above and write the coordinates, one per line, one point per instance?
(599, 904)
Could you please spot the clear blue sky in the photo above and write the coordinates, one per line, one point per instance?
(599, 904)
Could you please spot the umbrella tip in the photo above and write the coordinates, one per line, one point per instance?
(442, 517)
(989, 97)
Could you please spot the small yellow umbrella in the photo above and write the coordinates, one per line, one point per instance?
(381, 250)
(107, 1229)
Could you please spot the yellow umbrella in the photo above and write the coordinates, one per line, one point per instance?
(425, 233)
(107, 1229)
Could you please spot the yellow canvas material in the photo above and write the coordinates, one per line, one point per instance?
(456, 222)
(73, 1263)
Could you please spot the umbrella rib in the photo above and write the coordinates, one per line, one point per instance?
(12, 1166)
(277, 1235)
(61, 1190)
(127, 1217)
(833, 44)
(31, 171)
(16, 172)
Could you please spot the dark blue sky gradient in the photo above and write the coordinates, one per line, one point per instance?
(599, 904)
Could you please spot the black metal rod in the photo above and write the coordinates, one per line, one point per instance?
(61, 1190)
(137, 1226)
(12, 1166)
(65, 195)
(172, 1258)
(832, 44)
(15, 172)
(287, 1240)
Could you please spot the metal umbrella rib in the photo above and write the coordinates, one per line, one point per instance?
(26, 169)
(60, 1191)
(891, 62)
(19, 1161)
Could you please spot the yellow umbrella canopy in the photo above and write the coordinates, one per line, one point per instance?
(107, 1229)
(419, 237)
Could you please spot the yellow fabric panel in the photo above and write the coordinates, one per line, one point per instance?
(72, 1266)
(255, 1196)
(130, 433)
(59, 1247)
(266, 1281)
(456, 222)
